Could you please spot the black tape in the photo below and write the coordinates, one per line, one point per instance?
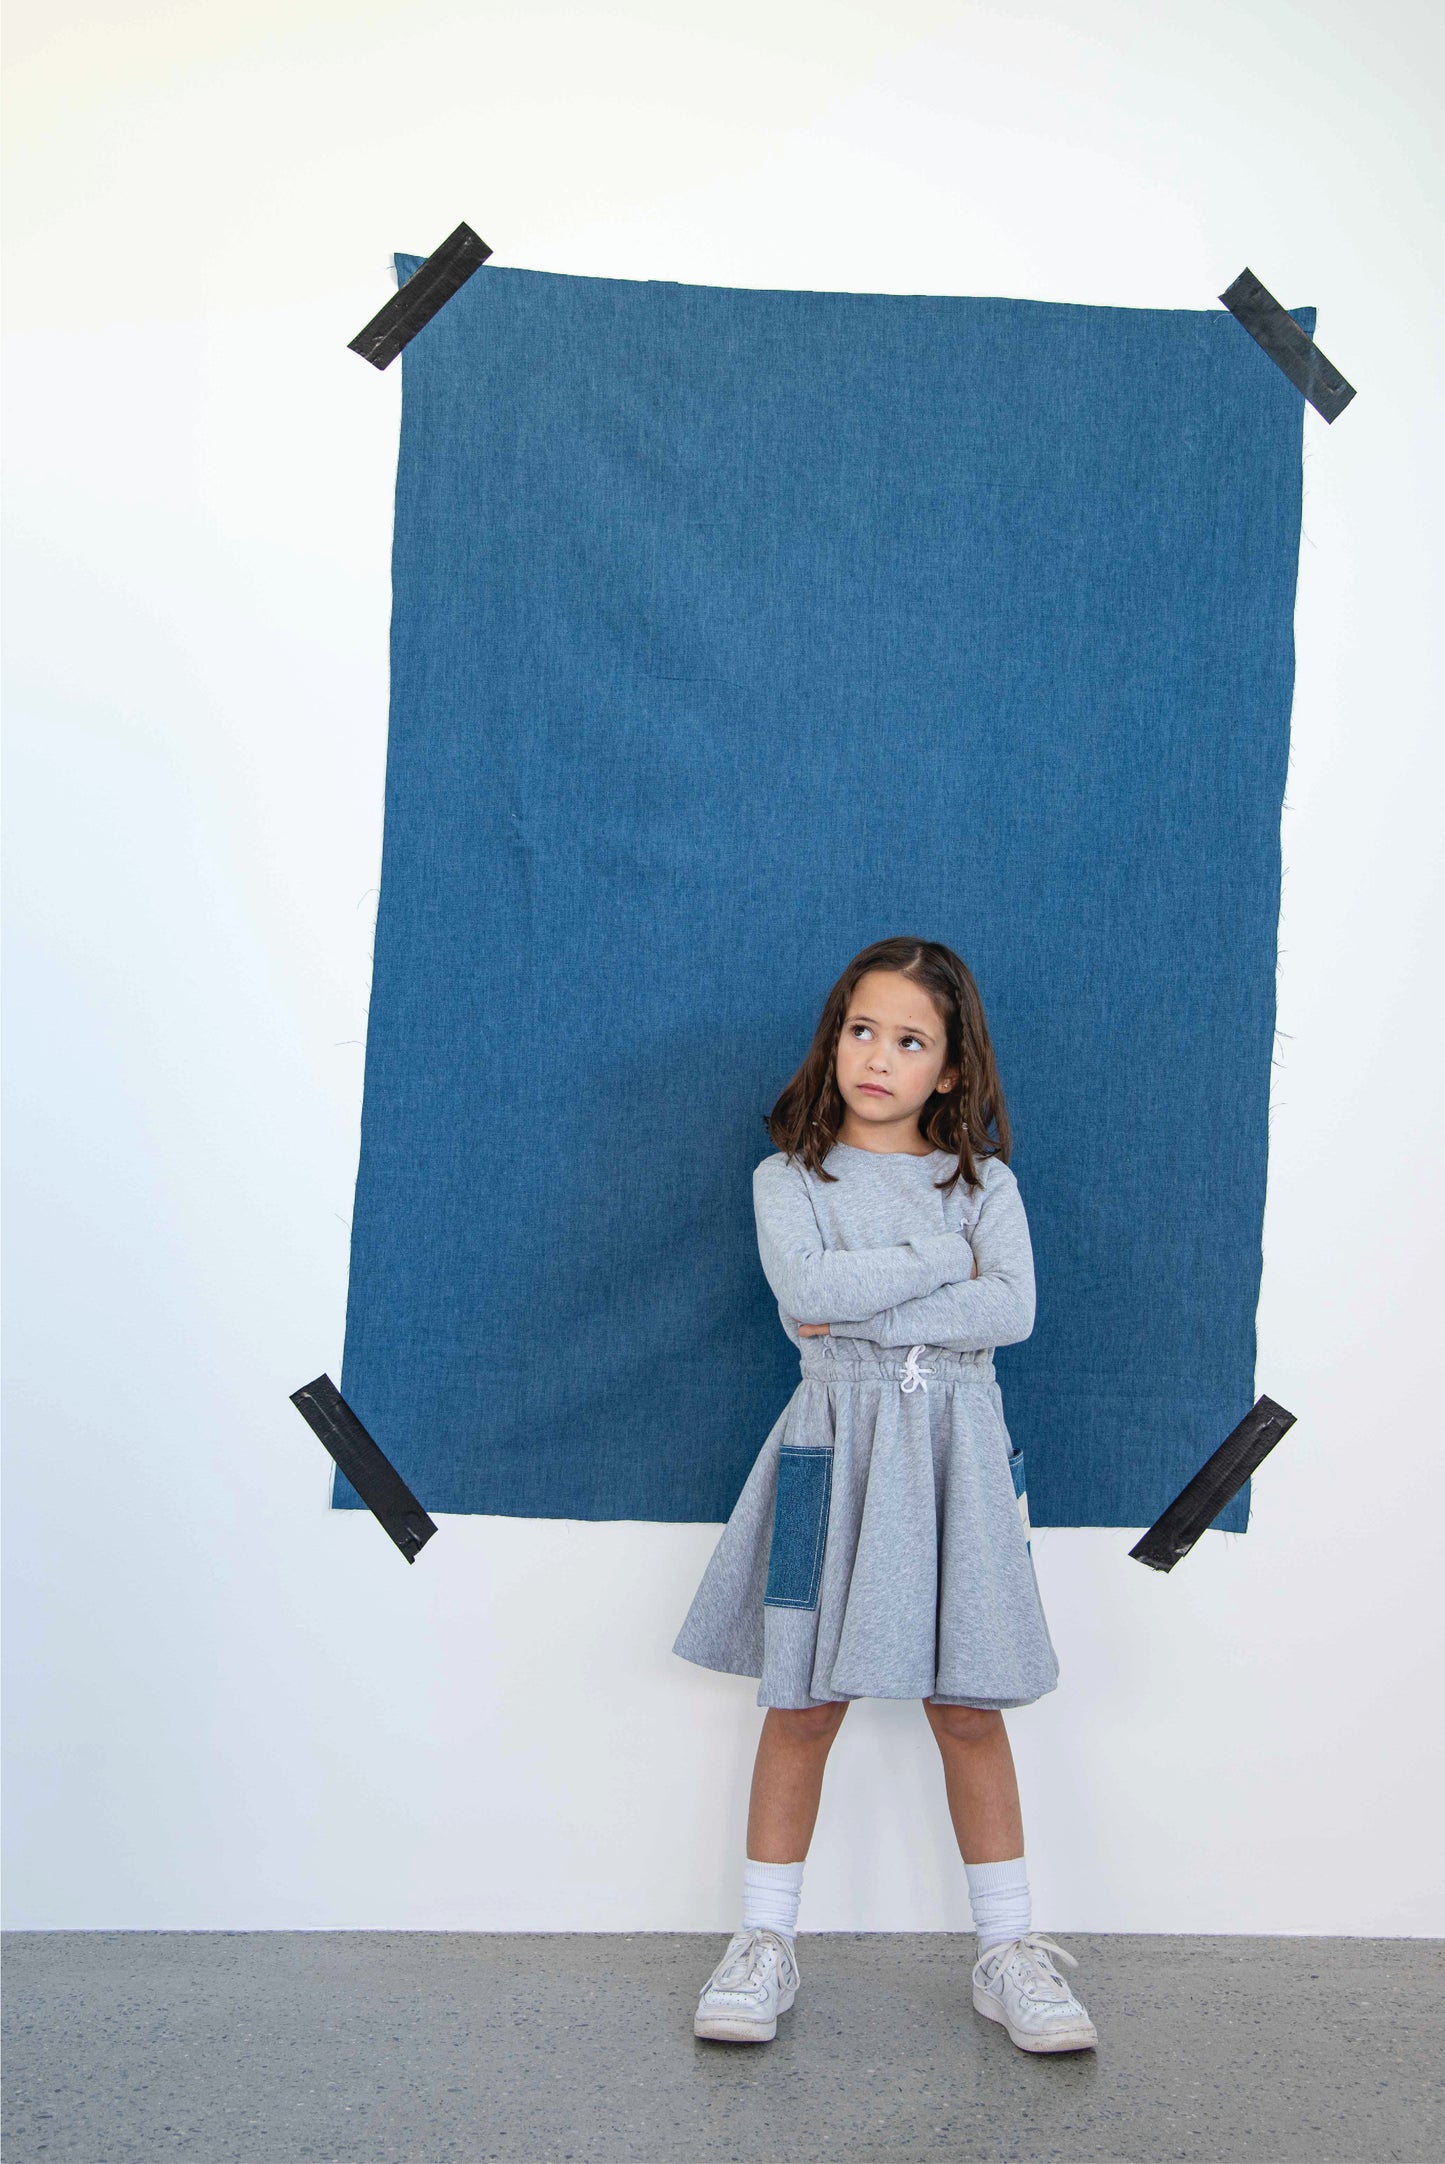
(1196, 1507)
(1287, 345)
(372, 1474)
(413, 305)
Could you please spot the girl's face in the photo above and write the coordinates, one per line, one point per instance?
(892, 1055)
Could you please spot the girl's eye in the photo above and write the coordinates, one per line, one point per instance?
(908, 1039)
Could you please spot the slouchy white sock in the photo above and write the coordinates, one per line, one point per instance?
(771, 1893)
(998, 1894)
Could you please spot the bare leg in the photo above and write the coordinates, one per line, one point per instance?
(978, 1773)
(788, 1780)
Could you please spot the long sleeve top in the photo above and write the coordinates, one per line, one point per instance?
(881, 1254)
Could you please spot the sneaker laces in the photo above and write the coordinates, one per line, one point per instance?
(1031, 1958)
(743, 1970)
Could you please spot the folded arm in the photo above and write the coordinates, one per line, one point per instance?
(813, 1283)
(995, 1308)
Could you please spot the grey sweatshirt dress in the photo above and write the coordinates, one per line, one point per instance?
(879, 1548)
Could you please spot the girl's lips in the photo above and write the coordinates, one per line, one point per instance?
(871, 1089)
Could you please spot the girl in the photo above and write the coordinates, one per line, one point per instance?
(879, 1548)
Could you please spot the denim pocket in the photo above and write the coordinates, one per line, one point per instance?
(800, 1526)
(1021, 1494)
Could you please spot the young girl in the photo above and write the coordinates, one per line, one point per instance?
(879, 1548)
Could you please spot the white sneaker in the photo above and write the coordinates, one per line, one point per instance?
(1017, 1983)
(756, 1980)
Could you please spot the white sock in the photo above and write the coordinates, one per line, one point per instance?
(771, 1893)
(998, 1894)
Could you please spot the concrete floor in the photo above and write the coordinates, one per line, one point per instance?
(453, 2048)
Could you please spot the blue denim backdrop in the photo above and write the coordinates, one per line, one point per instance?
(733, 630)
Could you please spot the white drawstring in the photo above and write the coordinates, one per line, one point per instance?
(913, 1374)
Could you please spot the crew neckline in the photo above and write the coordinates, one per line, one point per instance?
(917, 1157)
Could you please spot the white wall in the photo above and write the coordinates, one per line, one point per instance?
(229, 1707)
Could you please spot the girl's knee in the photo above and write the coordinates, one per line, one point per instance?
(963, 1724)
(809, 1724)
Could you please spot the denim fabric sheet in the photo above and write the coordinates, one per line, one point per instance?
(733, 630)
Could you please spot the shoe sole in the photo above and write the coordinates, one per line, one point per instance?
(1067, 2040)
(734, 2029)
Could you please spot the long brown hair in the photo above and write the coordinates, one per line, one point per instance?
(807, 1117)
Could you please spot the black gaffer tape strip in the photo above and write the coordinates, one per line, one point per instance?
(365, 1464)
(1196, 1507)
(1287, 345)
(413, 305)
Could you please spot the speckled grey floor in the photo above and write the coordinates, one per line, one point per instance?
(444, 2048)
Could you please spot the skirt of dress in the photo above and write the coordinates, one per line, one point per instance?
(877, 1549)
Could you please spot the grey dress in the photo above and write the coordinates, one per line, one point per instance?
(879, 1547)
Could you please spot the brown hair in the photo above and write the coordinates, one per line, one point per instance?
(807, 1116)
